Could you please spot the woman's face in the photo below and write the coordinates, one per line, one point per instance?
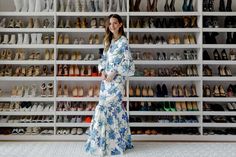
(114, 25)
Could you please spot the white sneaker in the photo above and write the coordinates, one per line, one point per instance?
(73, 131)
(80, 131)
(40, 107)
(34, 108)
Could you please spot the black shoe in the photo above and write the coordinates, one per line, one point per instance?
(211, 5)
(172, 5)
(164, 90)
(206, 55)
(205, 5)
(158, 91)
(216, 55)
(190, 5)
(229, 39)
(167, 7)
(185, 6)
(222, 5)
(228, 5)
(224, 55)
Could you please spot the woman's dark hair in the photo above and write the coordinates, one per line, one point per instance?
(108, 33)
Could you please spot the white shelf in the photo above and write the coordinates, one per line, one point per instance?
(74, 112)
(18, 113)
(28, 62)
(160, 99)
(82, 99)
(164, 14)
(34, 99)
(160, 30)
(218, 46)
(219, 78)
(78, 62)
(222, 113)
(81, 14)
(72, 124)
(161, 78)
(82, 46)
(78, 78)
(83, 30)
(219, 99)
(219, 13)
(166, 62)
(167, 46)
(219, 62)
(220, 125)
(164, 124)
(219, 29)
(26, 124)
(14, 13)
(159, 113)
(30, 46)
(27, 30)
(35, 78)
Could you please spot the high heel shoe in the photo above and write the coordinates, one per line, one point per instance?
(50, 88)
(172, 5)
(144, 91)
(43, 90)
(227, 71)
(193, 91)
(131, 92)
(216, 55)
(174, 91)
(222, 91)
(180, 91)
(150, 92)
(166, 6)
(137, 91)
(216, 92)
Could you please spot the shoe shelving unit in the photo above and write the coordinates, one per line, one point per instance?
(7, 83)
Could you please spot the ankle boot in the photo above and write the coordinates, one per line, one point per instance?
(118, 6)
(123, 6)
(19, 38)
(148, 5)
(13, 39)
(110, 6)
(211, 5)
(222, 5)
(172, 5)
(167, 7)
(33, 38)
(26, 38)
(78, 6)
(190, 5)
(5, 39)
(97, 9)
(92, 5)
(61, 4)
(136, 5)
(25, 6)
(18, 5)
(68, 6)
(84, 6)
(38, 6)
(185, 6)
(31, 5)
(46, 9)
(228, 5)
(104, 5)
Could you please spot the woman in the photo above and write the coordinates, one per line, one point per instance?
(109, 133)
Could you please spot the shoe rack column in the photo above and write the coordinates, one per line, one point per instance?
(127, 82)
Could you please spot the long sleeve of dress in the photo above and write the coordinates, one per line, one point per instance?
(123, 62)
(102, 62)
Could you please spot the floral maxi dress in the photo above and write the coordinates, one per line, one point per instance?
(109, 132)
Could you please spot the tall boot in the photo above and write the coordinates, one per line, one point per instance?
(13, 39)
(18, 5)
(104, 5)
(84, 6)
(172, 5)
(154, 5)
(222, 5)
(211, 5)
(149, 5)
(110, 5)
(205, 5)
(78, 6)
(26, 38)
(33, 38)
(123, 6)
(47, 6)
(39, 38)
(185, 6)
(228, 5)
(25, 6)
(118, 6)
(38, 6)
(136, 5)
(190, 5)
(68, 6)
(167, 7)
(131, 5)
(229, 39)
(97, 9)
(61, 4)
(19, 38)
(31, 5)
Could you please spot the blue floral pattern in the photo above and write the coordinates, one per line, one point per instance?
(109, 132)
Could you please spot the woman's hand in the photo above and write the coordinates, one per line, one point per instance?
(111, 76)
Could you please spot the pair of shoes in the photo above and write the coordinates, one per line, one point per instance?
(207, 71)
(63, 91)
(161, 91)
(44, 88)
(149, 72)
(173, 39)
(63, 40)
(93, 39)
(189, 39)
(224, 71)
(187, 7)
